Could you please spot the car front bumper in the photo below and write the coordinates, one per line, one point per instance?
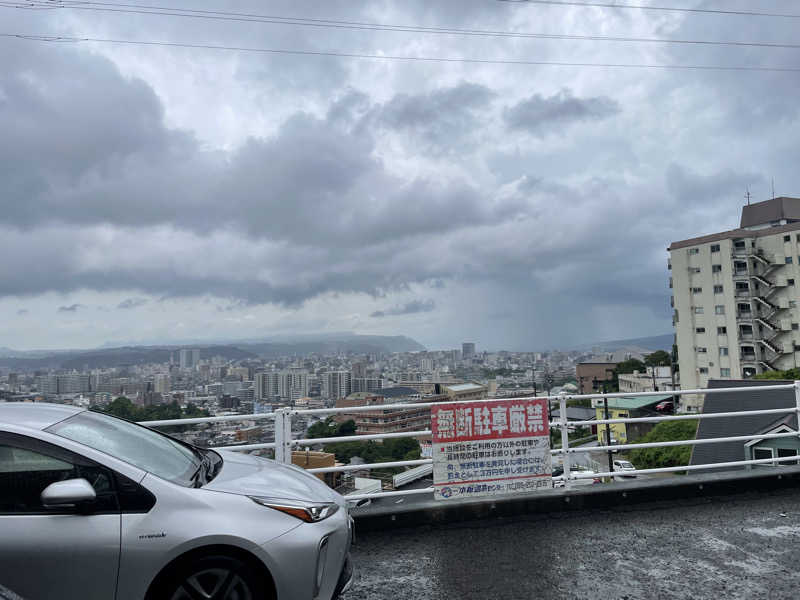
(294, 559)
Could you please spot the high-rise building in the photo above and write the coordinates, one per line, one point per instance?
(47, 384)
(241, 373)
(336, 384)
(229, 387)
(283, 386)
(266, 386)
(245, 394)
(51, 385)
(189, 357)
(292, 384)
(73, 384)
(365, 384)
(735, 296)
(467, 350)
(161, 383)
(215, 389)
(358, 369)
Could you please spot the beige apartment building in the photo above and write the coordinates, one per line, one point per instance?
(654, 379)
(735, 296)
(383, 420)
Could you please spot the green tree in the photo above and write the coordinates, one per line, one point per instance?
(122, 407)
(398, 448)
(629, 366)
(790, 375)
(344, 451)
(346, 428)
(322, 429)
(193, 411)
(671, 456)
(330, 428)
(659, 358)
(623, 368)
(392, 449)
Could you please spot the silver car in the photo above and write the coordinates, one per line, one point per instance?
(95, 508)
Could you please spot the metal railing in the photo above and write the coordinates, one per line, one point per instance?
(284, 443)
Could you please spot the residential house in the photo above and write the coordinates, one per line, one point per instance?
(623, 408)
(723, 427)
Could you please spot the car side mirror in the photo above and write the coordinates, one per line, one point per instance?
(68, 494)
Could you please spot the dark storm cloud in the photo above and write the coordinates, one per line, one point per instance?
(409, 308)
(74, 128)
(393, 174)
(70, 309)
(540, 115)
(441, 117)
(132, 303)
(315, 179)
(683, 183)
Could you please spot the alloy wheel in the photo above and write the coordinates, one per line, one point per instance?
(213, 584)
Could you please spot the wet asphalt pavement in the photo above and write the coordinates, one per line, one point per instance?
(738, 547)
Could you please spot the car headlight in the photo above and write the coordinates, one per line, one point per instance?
(310, 512)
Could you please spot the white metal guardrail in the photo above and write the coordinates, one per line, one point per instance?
(284, 443)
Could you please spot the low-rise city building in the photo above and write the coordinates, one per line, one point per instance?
(592, 375)
(654, 379)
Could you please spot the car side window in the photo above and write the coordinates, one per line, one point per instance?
(28, 466)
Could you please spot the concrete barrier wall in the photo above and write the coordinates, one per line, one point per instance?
(606, 496)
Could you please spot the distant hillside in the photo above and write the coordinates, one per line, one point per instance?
(653, 343)
(114, 357)
(125, 356)
(354, 344)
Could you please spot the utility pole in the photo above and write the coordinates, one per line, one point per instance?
(608, 426)
(608, 434)
(672, 377)
(548, 384)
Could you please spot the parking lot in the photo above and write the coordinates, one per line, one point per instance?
(739, 547)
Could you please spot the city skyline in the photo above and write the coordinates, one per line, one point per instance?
(656, 342)
(180, 193)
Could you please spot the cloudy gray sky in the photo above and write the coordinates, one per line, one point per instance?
(166, 193)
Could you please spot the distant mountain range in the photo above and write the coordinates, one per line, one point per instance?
(112, 357)
(358, 344)
(124, 356)
(304, 345)
(652, 343)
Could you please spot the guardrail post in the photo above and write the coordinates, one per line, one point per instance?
(562, 409)
(797, 403)
(283, 436)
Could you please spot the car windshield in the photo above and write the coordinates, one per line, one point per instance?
(625, 464)
(139, 446)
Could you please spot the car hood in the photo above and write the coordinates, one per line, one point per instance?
(255, 476)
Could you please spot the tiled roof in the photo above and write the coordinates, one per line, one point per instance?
(704, 454)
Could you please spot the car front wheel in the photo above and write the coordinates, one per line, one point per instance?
(215, 578)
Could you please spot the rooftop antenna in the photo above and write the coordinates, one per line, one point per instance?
(773, 187)
(747, 195)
